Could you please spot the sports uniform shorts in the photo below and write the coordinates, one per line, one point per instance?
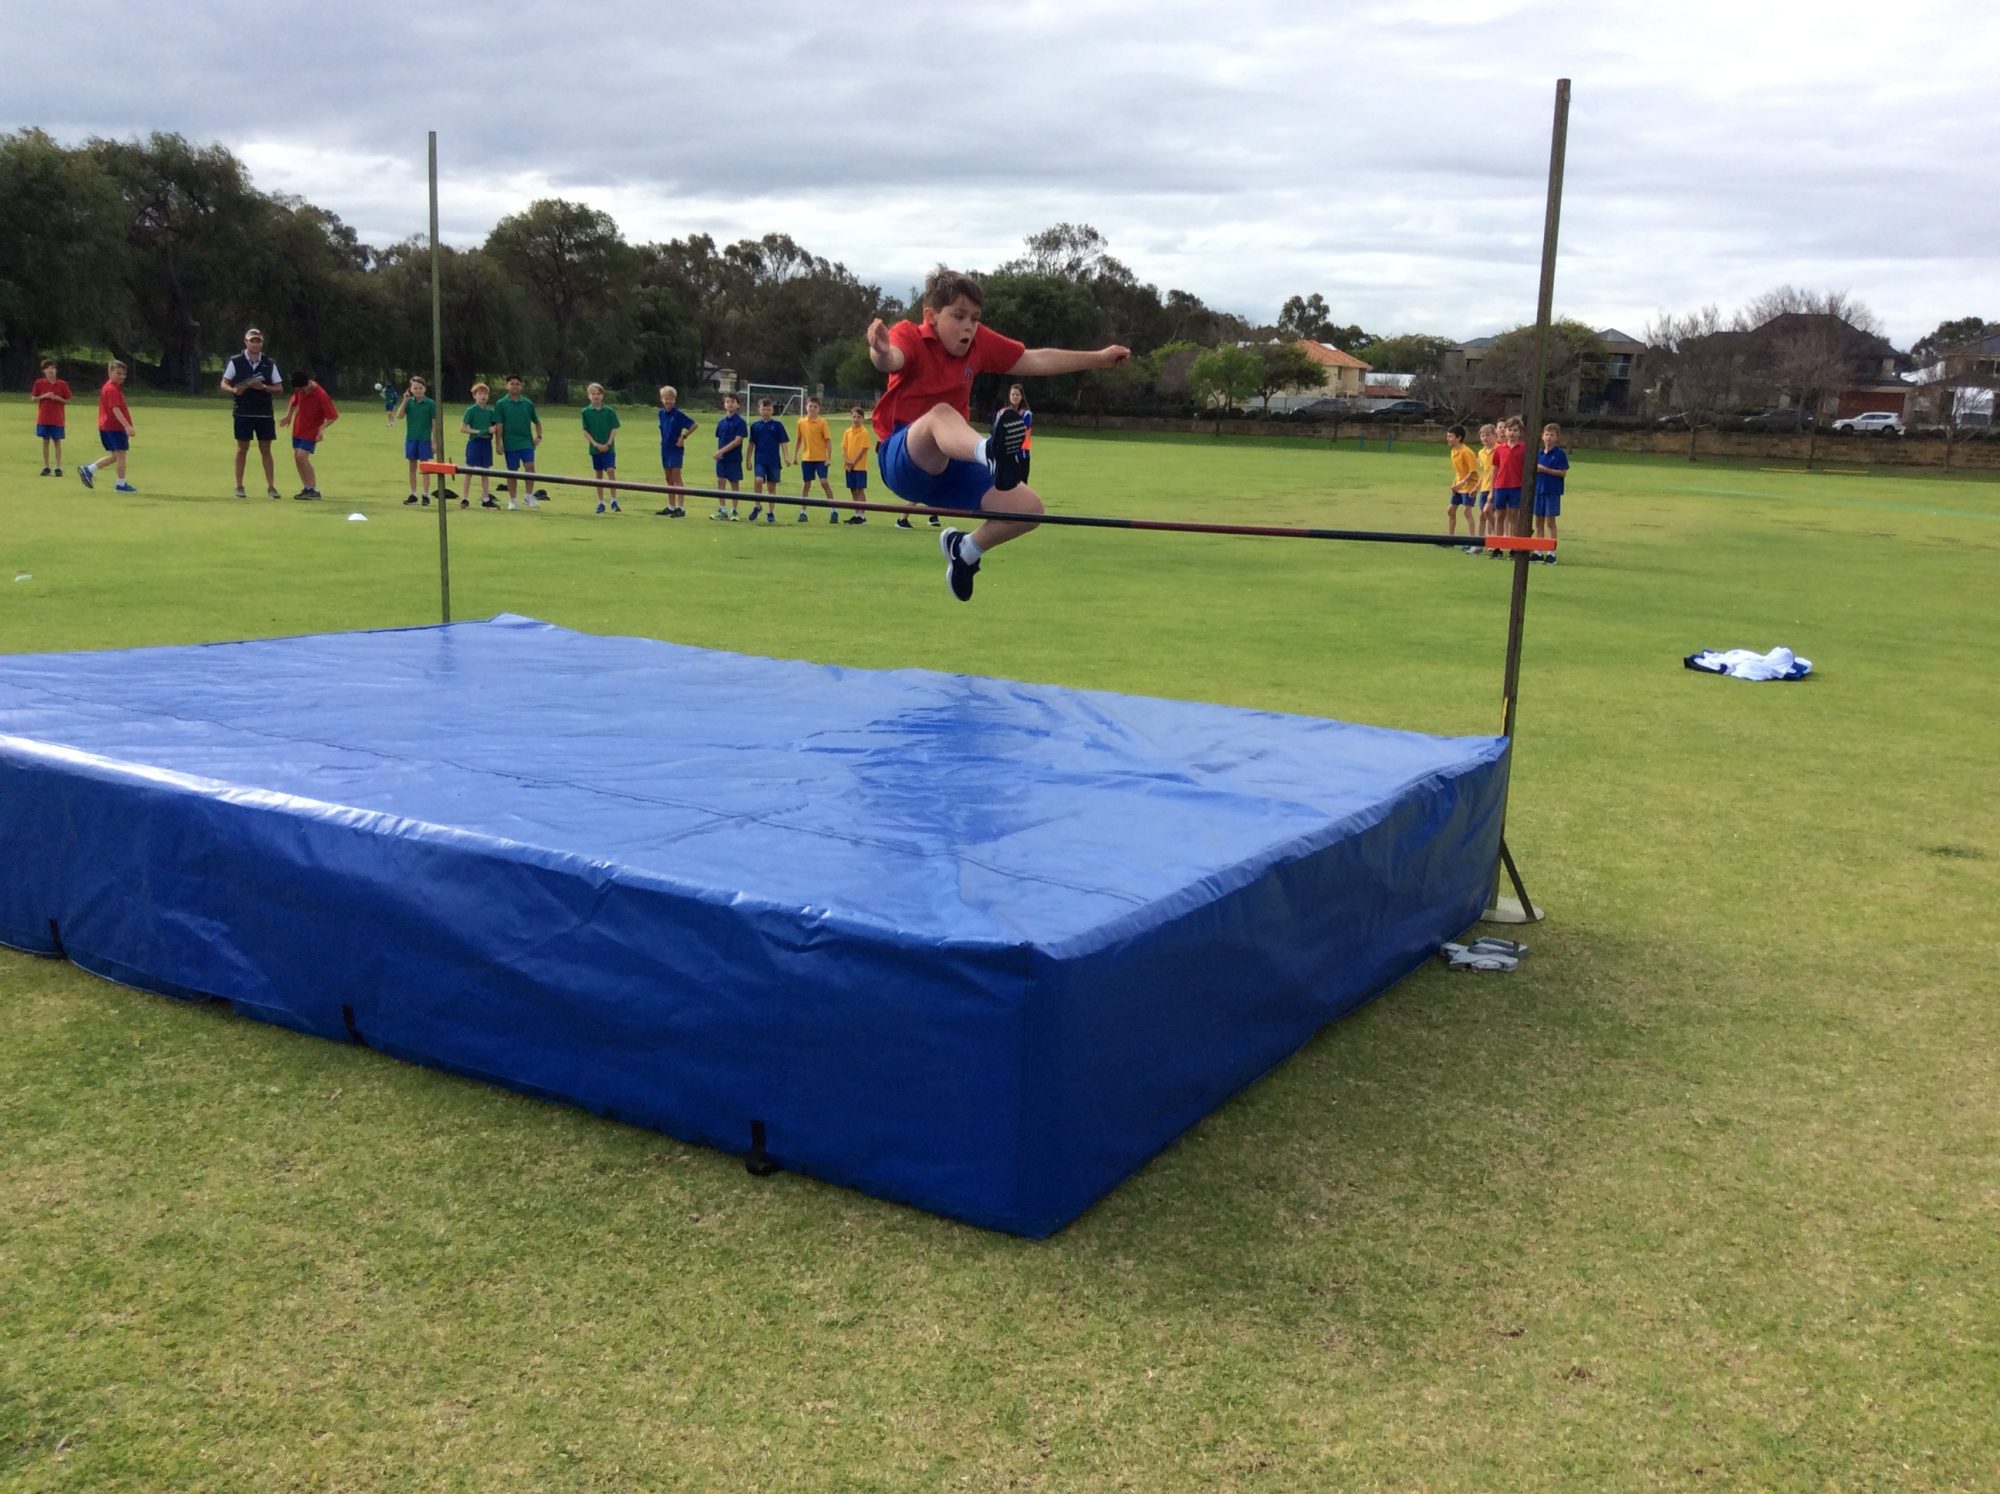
(812, 471)
(417, 451)
(1458, 498)
(256, 428)
(1506, 498)
(768, 471)
(307, 444)
(603, 461)
(1548, 505)
(479, 451)
(524, 457)
(672, 458)
(729, 469)
(857, 480)
(961, 484)
(115, 440)
(50, 432)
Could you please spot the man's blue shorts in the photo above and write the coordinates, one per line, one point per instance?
(115, 440)
(417, 451)
(672, 457)
(300, 443)
(960, 485)
(479, 451)
(50, 432)
(1457, 497)
(525, 457)
(729, 469)
(812, 471)
(603, 461)
(857, 480)
(1548, 505)
(256, 428)
(1506, 498)
(768, 471)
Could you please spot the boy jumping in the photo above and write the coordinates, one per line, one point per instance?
(929, 453)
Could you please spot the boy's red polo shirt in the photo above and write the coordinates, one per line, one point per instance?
(1508, 462)
(931, 377)
(110, 400)
(51, 411)
(311, 409)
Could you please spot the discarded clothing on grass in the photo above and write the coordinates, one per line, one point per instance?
(1748, 664)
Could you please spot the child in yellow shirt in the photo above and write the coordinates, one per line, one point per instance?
(854, 444)
(1464, 484)
(1483, 515)
(815, 445)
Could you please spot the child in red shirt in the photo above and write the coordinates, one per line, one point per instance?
(51, 396)
(114, 429)
(928, 451)
(310, 412)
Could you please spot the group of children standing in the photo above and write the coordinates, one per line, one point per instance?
(51, 396)
(1487, 483)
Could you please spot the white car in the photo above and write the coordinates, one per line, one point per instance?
(1880, 421)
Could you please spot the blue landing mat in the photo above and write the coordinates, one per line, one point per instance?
(979, 946)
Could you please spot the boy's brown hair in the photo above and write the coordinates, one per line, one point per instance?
(114, 364)
(481, 389)
(946, 286)
(856, 412)
(48, 363)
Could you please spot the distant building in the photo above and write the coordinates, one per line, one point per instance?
(1623, 372)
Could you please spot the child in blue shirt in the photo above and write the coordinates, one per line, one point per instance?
(770, 445)
(1550, 467)
(730, 434)
(676, 425)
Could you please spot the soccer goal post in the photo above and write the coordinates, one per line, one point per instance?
(788, 399)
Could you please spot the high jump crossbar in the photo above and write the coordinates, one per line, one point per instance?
(1520, 542)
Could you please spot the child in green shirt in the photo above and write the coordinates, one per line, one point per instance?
(476, 425)
(600, 426)
(419, 412)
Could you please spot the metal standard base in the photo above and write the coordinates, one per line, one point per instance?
(1510, 910)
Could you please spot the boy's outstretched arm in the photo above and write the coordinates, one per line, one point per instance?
(1067, 360)
(884, 354)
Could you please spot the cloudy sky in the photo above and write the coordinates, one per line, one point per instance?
(1391, 156)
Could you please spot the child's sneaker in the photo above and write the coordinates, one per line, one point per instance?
(465, 503)
(58, 472)
(239, 491)
(45, 472)
(124, 487)
(755, 509)
(600, 506)
(934, 521)
(904, 523)
(720, 513)
(409, 502)
(427, 500)
(489, 501)
(529, 500)
(615, 508)
(87, 476)
(510, 505)
(857, 518)
(1003, 448)
(770, 516)
(801, 518)
(957, 574)
(272, 493)
(833, 516)
(736, 516)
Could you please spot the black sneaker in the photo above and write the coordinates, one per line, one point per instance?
(904, 524)
(1003, 449)
(663, 513)
(957, 574)
(303, 495)
(427, 500)
(489, 501)
(45, 472)
(833, 516)
(58, 472)
(934, 521)
(857, 518)
(411, 501)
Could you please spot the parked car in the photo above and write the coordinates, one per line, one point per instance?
(1401, 409)
(1778, 420)
(1677, 421)
(1325, 407)
(1878, 422)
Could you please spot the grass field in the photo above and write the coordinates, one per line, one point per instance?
(1707, 1193)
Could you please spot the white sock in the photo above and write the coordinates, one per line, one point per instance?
(982, 455)
(969, 551)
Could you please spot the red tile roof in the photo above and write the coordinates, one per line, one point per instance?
(1333, 357)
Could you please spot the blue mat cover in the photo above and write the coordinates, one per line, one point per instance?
(980, 946)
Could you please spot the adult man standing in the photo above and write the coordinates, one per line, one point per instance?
(251, 378)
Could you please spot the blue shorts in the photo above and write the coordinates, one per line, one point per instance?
(1506, 498)
(1457, 497)
(479, 451)
(729, 469)
(300, 443)
(525, 457)
(812, 471)
(603, 461)
(115, 440)
(1548, 505)
(50, 432)
(417, 451)
(672, 457)
(768, 471)
(857, 480)
(256, 428)
(960, 485)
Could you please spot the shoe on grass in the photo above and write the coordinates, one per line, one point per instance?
(124, 487)
(904, 524)
(87, 476)
(45, 472)
(615, 508)
(934, 521)
(857, 518)
(801, 518)
(58, 472)
(600, 506)
(240, 493)
(958, 574)
(409, 502)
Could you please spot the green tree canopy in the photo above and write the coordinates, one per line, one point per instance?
(61, 251)
(1225, 376)
(573, 262)
(1409, 352)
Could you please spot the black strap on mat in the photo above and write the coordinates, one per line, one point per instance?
(347, 1017)
(758, 1162)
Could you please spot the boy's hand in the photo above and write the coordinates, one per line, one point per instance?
(1114, 355)
(882, 352)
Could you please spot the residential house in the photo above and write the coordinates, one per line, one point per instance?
(1962, 382)
(1346, 375)
(1618, 389)
(1812, 355)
